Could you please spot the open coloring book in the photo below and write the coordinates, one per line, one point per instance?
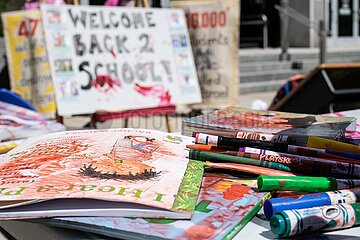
(116, 172)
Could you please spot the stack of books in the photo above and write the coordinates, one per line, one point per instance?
(238, 122)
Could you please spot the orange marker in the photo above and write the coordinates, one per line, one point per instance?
(207, 148)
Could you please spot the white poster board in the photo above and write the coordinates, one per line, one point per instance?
(112, 58)
(214, 32)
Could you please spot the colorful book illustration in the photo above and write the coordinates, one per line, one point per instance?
(17, 122)
(115, 172)
(298, 126)
(224, 207)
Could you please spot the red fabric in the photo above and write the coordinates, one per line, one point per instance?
(104, 116)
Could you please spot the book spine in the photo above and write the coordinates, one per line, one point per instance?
(241, 224)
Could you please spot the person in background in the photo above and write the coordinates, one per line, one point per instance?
(35, 4)
(119, 3)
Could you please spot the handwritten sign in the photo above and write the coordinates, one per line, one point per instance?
(214, 28)
(28, 64)
(110, 58)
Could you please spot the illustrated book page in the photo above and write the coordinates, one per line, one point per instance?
(135, 166)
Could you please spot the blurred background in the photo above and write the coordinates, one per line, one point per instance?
(278, 40)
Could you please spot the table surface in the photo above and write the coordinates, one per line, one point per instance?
(259, 229)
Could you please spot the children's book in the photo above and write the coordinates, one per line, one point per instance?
(115, 172)
(18, 122)
(224, 207)
(297, 126)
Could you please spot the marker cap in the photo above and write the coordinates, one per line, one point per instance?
(268, 209)
(279, 224)
(356, 207)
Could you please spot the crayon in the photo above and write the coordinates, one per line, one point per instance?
(248, 135)
(323, 143)
(237, 142)
(298, 221)
(207, 148)
(216, 157)
(303, 164)
(275, 205)
(247, 169)
(303, 183)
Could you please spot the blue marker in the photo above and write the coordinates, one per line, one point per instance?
(275, 205)
(344, 154)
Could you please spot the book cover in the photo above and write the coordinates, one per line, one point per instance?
(350, 134)
(18, 122)
(145, 170)
(224, 207)
(299, 126)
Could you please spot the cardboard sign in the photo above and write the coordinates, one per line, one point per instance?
(28, 64)
(111, 58)
(214, 29)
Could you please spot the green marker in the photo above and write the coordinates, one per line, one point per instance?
(324, 218)
(216, 157)
(297, 183)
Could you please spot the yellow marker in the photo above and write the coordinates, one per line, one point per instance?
(323, 143)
